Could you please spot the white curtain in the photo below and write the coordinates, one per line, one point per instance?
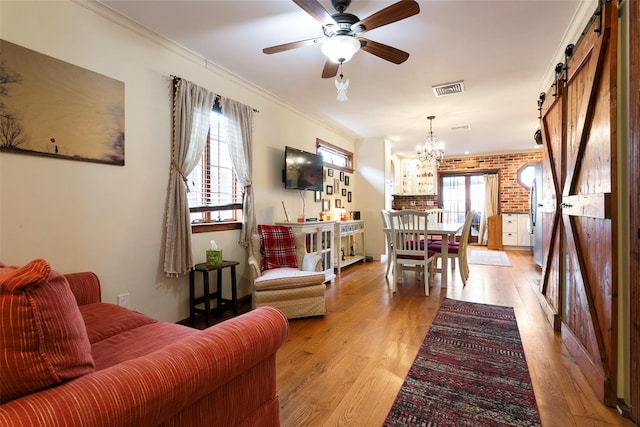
(490, 205)
(240, 142)
(191, 117)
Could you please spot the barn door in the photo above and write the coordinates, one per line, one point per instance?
(589, 318)
(579, 283)
(553, 139)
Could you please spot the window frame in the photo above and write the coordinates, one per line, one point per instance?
(341, 152)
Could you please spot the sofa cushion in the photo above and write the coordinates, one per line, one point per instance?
(104, 320)
(43, 336)
(278, 247)
(287, 278)
(452, 247)
(138, 342)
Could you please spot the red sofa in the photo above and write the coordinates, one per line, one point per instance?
(66, 358)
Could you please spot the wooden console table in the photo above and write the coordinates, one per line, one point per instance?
(349, 243)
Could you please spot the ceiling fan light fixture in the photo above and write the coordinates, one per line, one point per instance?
(340, 48)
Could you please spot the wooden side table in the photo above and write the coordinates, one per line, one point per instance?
(222, 304)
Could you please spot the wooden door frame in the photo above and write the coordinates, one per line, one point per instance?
(634, 208)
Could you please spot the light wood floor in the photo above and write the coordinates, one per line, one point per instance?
(346, 368)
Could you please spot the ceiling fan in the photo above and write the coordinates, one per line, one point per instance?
(342, 32)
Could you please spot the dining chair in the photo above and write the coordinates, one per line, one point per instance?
(409, 234)
(456, 250)
(438, 215)
(388, 235)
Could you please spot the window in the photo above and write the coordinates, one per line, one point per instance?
(525, 176)
(215, 197)
(335, 156)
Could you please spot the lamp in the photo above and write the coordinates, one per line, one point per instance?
(340, 48)
(432, 151)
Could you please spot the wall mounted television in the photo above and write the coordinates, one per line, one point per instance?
(303, 170)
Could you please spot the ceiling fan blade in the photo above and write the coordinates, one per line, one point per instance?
(396, 12)
(330, 69)
(292, 45)
(384, 51)
(315, 9)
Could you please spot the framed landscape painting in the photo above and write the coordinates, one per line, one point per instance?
(52, 108)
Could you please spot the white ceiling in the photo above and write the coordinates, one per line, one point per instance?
(503, 50)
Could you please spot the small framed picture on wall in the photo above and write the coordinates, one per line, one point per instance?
(336, 185)
(316, 196)
(325, 205)
(329, 172)
(329, 189)
(344, 192)
(338, 203)
(349, 197)
(346, 180)
(341, 175)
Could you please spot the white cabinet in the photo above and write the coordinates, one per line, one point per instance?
(418, 178)
(349, 243)
(514, 230)
(320, 240)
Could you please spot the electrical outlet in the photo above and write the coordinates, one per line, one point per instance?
(123, 300)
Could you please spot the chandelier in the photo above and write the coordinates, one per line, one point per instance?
(432, 151)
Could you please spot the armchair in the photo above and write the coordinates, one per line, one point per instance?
(293, 284)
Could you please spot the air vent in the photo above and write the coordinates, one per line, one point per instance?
(448, 88)
(459, 127)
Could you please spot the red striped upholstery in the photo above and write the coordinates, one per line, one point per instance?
(44, 340)
(137, 342)
(222, 376)
(99, 319)
(85, 287)
(150, 373)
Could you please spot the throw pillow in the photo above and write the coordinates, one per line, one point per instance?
(278, 247)
(310, 261)
(44, 339)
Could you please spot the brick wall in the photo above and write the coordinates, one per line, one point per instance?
(513, 196)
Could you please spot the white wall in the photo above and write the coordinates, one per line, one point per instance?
(108, 219)
(370, 197)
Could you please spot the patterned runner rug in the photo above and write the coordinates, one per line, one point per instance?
(469, 371)
(489, 258)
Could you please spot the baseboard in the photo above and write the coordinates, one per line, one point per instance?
(623, 409)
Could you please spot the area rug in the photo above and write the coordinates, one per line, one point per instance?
(489, 258)
(469, 371)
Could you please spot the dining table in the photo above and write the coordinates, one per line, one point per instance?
(448, 231)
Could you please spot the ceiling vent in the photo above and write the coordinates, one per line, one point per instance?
(459, 127)
(448, 88)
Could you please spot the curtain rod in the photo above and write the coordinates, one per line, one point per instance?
(218, 97)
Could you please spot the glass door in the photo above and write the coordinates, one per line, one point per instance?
(461, 193)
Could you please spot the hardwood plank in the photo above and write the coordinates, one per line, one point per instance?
(345, 369)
